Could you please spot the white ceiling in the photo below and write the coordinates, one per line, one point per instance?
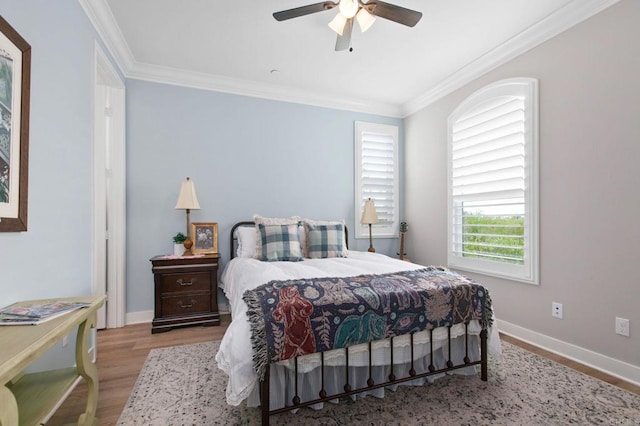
(233, 46)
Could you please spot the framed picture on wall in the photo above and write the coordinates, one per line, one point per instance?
(205, 237)
(15, 80)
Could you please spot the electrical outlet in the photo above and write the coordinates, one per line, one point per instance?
(556, 310)
(622, 326)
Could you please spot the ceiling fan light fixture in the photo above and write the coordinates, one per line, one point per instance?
(338, 23)
(348, 8)
(365, 19)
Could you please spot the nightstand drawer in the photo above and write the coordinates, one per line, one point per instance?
(186, 282)
(186, 304)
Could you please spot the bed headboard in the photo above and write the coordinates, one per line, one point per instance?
(233, 241)
(232, 237)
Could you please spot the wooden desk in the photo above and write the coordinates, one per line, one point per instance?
(30, 399)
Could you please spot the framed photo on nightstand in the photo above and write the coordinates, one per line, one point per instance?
(205, 237)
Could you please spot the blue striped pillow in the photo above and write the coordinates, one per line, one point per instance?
(325, 240)
(280, 242)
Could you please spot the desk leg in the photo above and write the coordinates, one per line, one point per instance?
(8, 407)
(88, 370)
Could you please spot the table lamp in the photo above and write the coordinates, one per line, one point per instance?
(369, 217)
(187, 200)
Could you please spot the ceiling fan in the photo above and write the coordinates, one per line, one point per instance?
(348, 10)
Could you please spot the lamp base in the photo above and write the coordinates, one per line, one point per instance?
(371, 249)
(187, 245)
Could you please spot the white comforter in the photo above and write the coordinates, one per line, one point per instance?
(241, 274)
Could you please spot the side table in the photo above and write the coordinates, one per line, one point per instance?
(186, 291)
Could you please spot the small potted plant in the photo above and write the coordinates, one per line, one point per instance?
(178, 247)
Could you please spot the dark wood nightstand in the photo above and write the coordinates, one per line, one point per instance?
(186, 291)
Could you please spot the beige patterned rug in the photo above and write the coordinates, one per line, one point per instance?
(182, 385)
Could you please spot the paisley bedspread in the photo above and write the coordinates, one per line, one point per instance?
(303, 316)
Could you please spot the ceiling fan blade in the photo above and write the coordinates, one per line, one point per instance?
(393, 13)
(304, 10)
(344, 41)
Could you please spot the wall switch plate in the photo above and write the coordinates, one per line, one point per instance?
(556, 310)
(622, 326)
(65, 341)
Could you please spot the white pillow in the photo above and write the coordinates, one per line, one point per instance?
(302, 235)
(246, 236)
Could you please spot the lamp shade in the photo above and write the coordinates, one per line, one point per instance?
(187, 200)
(338, 23)
(365, 19)
(369, 214)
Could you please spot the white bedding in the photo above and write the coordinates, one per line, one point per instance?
(241, 274)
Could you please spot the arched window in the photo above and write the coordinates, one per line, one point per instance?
(493, 181)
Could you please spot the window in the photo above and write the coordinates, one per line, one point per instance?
(493, 181)
(376, 158)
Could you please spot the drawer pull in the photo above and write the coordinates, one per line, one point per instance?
(187, 305)
(184, 283)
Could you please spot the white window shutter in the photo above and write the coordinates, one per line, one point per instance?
(493, 181)
(376, 167)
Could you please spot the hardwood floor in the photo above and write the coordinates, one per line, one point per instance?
(122, 352)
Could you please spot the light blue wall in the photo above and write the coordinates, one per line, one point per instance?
(53, 258)
(245, 156)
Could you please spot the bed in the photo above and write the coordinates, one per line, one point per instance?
(295, 374)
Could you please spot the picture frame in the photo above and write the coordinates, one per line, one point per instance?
(205, 237)
(15, 83)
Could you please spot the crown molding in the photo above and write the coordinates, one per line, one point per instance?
(103, 21)
(568, 16)
(204, 81)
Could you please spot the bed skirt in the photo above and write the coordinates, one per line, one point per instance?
(311, 377)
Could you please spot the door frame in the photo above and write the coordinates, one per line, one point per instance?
(109, 87)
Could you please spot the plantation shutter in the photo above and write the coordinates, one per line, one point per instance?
(488, 152)
(378, 174)
(493, 224)
(488, 180)
(376, 177)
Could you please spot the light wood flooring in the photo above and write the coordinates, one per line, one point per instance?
(122, 352)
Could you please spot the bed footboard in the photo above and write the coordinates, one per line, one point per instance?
(391, 380)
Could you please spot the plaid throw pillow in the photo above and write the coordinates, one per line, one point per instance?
(280, 242)
(257, 219)
(325, 240)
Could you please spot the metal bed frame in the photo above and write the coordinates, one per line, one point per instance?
(392, 379)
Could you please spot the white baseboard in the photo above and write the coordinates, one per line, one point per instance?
(611, 366)
(141, 317)
(138, 317)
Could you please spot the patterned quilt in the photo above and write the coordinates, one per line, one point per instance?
(303, 316)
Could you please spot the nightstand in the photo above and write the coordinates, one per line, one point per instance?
(186, 291)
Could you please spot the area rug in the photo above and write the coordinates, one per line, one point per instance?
(182, 385)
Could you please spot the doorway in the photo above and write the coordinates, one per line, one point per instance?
(109, 195)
